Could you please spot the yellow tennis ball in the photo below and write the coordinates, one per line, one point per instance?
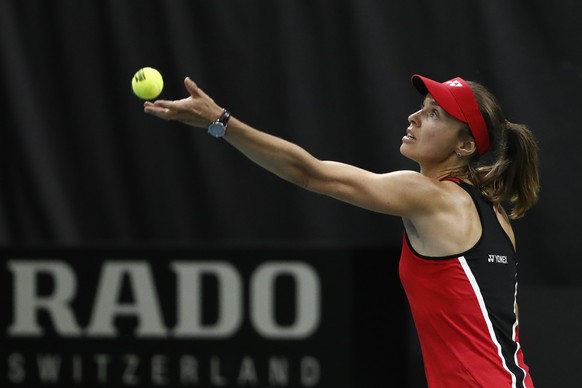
(147, 83)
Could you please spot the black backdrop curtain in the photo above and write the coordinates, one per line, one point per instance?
(81, 164)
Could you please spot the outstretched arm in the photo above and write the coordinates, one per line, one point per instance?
(281, 157)
(399, 193)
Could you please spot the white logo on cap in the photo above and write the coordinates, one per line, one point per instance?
(455, 83)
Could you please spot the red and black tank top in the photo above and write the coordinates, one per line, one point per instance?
(464, 308)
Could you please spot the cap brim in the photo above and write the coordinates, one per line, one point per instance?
(441, 94)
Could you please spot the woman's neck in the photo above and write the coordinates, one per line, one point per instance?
(440, 172)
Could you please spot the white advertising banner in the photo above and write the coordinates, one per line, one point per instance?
(199, 317)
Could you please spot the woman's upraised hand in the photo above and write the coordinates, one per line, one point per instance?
(197, 110)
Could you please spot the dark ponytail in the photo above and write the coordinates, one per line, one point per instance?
(512, 176)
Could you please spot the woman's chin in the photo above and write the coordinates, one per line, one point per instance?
(407, 152)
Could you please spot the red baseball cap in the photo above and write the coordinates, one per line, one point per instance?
(457, 99)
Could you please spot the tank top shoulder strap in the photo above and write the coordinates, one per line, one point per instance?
(470, 189)
(452, 179)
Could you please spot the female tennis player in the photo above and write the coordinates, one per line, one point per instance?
(458, 264)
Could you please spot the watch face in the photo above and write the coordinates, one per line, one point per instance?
(216, 129)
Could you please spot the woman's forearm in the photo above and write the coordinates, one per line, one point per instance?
(281, 157)
(276, 155)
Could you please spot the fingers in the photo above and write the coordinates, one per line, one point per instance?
(188, 81)
(159, 104)
(159, 108)
(191, 110)
(194, 90)
(191, 87)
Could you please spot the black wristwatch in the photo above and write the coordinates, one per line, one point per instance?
(218, 128)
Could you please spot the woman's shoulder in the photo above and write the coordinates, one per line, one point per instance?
(434, 195)
(451, 224)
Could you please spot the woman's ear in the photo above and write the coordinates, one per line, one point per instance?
(466, 147)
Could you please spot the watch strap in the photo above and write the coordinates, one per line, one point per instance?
(224, 117)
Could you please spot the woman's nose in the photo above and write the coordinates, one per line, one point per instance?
(414, 118)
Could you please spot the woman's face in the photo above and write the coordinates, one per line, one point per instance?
(432, 136)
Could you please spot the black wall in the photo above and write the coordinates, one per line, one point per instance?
(81, 164)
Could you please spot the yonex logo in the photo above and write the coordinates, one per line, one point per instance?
(497, 259)
(455, 84)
